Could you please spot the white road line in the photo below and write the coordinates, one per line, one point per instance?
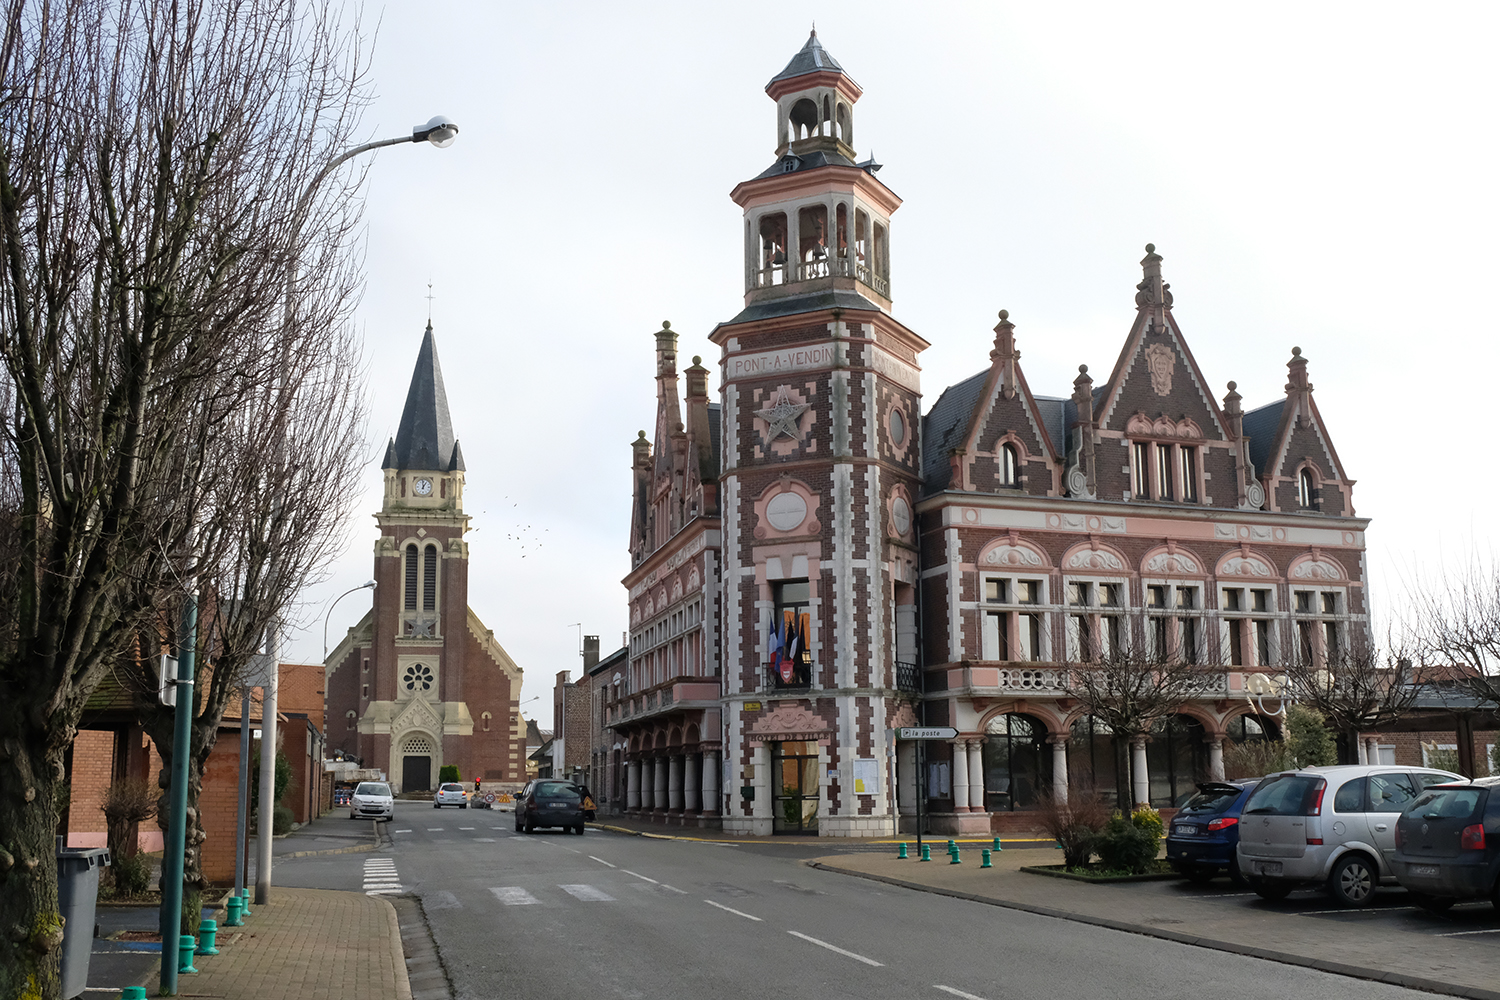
(466, 828)
(392, 886)
(835, 948)
(492, 828)
(643, 878)
(484, 840)
(730, 909)
(957, 993)
(681, 892)
(587, 893)
(393, 831)
(1491, 930)
(602, 861)
(514, 895)
(380, 892)
(436, 829)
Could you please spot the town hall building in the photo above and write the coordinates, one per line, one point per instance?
(944, 568)
(420, 682)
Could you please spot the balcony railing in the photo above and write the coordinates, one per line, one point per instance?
(908, 677)
(821, 267)
(801, 678)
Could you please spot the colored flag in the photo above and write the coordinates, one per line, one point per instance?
(789, 653)
(774, 644)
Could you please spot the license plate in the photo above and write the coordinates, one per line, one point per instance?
(1268, 867)
(1185, 830)
(1424, 869)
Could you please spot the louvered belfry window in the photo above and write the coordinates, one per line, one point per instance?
(429, 578)
(410, 602)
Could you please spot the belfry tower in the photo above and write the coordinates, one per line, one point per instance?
(821, 465)
(421, 681)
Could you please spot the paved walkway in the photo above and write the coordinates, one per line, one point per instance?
(1391, 942)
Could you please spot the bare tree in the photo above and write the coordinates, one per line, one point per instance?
(1355, 688)
(1454, 623)
(151, 159)
(1137, 683)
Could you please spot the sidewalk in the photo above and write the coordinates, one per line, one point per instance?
(1371, 944)
(662, 831)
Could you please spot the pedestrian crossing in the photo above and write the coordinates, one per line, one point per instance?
(381, 877)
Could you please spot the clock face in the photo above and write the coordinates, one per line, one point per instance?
(423, 487)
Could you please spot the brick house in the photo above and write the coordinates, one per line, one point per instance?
(420, 682)
(817, 564)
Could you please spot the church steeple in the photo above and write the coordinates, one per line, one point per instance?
(424, 440)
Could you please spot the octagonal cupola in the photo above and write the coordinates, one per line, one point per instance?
(816, 219)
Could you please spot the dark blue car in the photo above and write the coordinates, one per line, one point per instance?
(1202, 838)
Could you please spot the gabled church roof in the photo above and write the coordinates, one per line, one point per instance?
(425, 440)
(810, 59)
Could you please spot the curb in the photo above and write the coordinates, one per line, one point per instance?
(1231, 947)
(356, 849)
(1099, 879)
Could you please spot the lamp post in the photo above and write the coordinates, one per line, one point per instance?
(367, 585)
(440, 132)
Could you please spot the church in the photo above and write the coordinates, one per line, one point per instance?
(817, 563)
(420, 682)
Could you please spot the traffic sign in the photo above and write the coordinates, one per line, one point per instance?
(926, 733)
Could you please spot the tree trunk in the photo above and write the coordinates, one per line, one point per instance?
(30, 925)
(202, 744)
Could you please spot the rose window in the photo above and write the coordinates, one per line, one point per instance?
(418, 677)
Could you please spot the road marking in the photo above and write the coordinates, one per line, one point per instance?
(730, 909)
(587, 893)
(643, 878)
(514, 895)
(497, 828)
(466, 828)
(436, 829)
(381, 892)
(835, 948)
(393, 831)
(602, 861)
(957, 993)
(484, 840)
(1491, 930)
(673, 888)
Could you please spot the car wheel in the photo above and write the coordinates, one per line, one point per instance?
(1432, 904)
(1274, 891)
(1352, 883)
(463, 805)
(1236, 874)
(529, 827)
(1200, 874)
(351, 814)
(437, 805)
(579, 829)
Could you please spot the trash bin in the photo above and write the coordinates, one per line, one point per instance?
(77, 894)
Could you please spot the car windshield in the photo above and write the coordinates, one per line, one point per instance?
(1283, 795)
(557, 790)
(1209, 801)
(1446, 803)
(372, 788)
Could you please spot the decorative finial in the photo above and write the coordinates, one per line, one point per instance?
(1296, 352)
(1005, 314)
(1151, 248)
(666, 325)
(814, 30)
(429, 303)
(1232, 387)
(697, 359)
(1083, 369)
(640, 435)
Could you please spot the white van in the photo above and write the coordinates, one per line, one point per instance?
(1330, 825)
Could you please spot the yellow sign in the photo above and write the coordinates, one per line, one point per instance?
(752, 706)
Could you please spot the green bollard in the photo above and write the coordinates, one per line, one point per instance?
(951, 846)
(208, 930)
(986, 862)
(997, 844)
(185, 946)
(901, 856)
(953, 858)
(133, 993)
(926, 852)
(245, 902)
(232, 907)
(1058, 845)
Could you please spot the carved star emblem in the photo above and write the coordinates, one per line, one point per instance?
(421, 628)
(783, 416)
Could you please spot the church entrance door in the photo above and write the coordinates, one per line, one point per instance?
(416, 773)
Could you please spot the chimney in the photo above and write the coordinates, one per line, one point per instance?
(1005, 354)
(1234, 416)
(1298, 388)
(590, 652)
(1083, 401)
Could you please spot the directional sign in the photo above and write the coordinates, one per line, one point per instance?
(926, 733)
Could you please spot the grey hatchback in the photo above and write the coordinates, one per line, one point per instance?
(547, 802)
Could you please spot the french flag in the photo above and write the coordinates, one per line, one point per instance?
(774, 645)
(788, 664)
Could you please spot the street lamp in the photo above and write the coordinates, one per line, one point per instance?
(367, 585)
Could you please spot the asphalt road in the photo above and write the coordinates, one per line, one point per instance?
(554, 915)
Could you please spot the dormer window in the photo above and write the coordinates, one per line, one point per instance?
(1009, 466)
(1306, 493)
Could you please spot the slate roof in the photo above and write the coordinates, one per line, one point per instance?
(808, 161)
(811, 58)
(424, 439)
(716, 435)
(841, 298)
(944, 428)
(1057, 415)
(1260, 426)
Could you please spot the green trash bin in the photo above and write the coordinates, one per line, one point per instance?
(77, 894)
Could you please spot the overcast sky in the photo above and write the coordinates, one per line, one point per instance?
(1314, 175)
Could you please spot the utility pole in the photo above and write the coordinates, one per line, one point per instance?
(267, 766)
(170, 921)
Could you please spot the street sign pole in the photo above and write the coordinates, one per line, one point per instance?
(921, 766)
(921, 734)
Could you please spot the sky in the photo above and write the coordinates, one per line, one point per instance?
(1314, 175)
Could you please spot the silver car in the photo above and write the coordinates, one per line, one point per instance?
(372, 800)
(1329, 825)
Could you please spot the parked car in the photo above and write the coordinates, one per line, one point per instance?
(372, 800)
(1330, 825)
(1448, 844)
(1203, 836)
(547, 802)
(450, 794)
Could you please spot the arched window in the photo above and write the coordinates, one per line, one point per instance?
(1017, 763)
(485, 720)
(1097, 761)
(1306, 494)
(349, 720)
(804, 119)
(1010, 462)
(429, 578)
(1176, 759)
(409, 602)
